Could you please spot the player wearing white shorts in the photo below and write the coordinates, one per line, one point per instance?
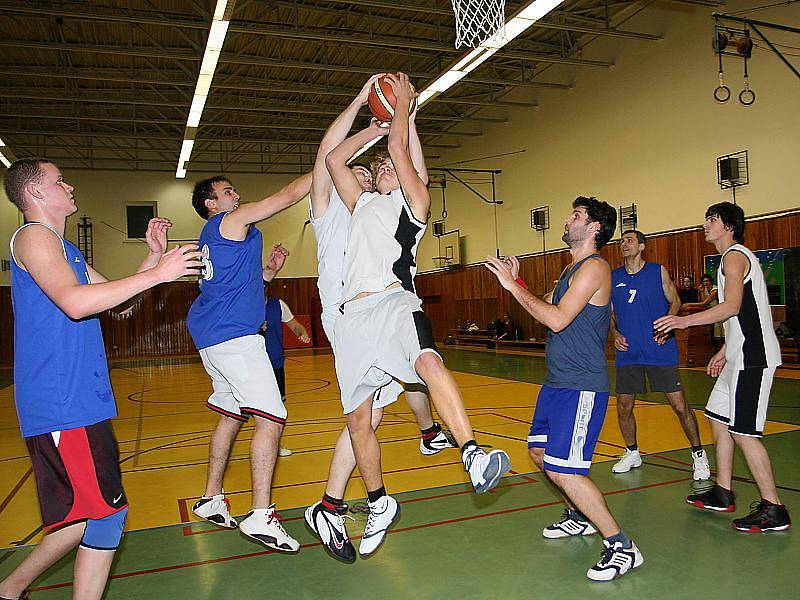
(383, 335)
(330, 219)
(744, 367)
(224, 322)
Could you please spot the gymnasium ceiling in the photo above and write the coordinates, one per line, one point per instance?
(107, 84)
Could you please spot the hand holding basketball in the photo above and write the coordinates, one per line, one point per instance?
(382, 98)
(363, 95)
(378, 128)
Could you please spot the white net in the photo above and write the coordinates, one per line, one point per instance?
(478, 20)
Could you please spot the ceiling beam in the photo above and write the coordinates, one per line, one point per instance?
(244, 105)
(60, 133)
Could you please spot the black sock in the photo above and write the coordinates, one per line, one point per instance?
(619, 537)
(331, 503)
(633, 447)
(468, 444)
(376, 495)
(697, 449)
(431, 431)
(574, 513)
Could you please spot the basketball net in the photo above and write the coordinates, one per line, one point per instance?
(478, 20)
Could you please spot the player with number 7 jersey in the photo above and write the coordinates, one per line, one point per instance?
(642, 292)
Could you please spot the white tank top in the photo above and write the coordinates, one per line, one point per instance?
(750, 339)
(382, 244)
(331, 232)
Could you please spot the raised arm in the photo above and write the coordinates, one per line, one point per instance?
(585, 283)
(234, 225)
(415, 148)
(415, 190)
(322, 183)
(39, 251)
(735, 266)
(275, 261)
(343, 178)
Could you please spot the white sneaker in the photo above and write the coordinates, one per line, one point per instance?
(702, 470)
(216, 510)
(263, 525)
(568, 526)
(630, 460)
(441, 441)
(382, 514)
(485, 469)
(615, 561)
(284, 451)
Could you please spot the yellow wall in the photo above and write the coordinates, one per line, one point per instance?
(646, 131)
(103, 195)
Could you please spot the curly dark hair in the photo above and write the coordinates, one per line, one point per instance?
(599, 212)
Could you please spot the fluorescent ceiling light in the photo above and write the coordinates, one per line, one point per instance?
(515, 26)
(4, 160)
(2, 143)
(536, 10)
(196, 110)
(219, 11)
(186, 150)
(216, 39)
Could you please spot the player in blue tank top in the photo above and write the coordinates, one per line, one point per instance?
(572, 403)
(224, 322)
(61, 388)
(643, 292)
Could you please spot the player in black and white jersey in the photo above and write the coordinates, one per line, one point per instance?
(744, 367)
(330, 219)
(383, 334)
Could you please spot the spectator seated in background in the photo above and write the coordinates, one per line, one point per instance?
(688, 293)
(708, 298)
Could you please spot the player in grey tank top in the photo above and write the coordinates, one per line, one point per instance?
(571, 405)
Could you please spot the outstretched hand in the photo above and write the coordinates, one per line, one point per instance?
(667, 323)
(156, 235)
(277, 257)
(502, 271)
(363, 94)
(180, 261)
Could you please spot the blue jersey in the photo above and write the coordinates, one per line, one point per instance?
(273, 334)
(60, 368)
(639, 300)
(576, 355)
(231, 300)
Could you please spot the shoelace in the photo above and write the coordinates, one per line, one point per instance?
(274, 517)
(370, 522)
(565, 516)
(227, 503)
(606, 554)
(473, 453)
(755, 508)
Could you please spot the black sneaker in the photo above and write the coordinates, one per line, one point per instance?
(764, 516)
(442, 440)
(717, 498)
(329, 527)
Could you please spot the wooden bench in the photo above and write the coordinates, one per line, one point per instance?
(521, 344)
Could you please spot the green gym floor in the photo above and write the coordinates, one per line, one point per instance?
(448, 543)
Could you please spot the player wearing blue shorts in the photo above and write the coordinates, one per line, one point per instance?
(572, 403)
(61, 388)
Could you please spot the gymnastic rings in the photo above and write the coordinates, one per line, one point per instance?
(723, 93)
(747, 96)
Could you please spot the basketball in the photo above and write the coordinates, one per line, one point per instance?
(382, 100)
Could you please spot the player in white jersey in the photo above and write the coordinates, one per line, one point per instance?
(330, 219)
(383, 334)
(744, 367)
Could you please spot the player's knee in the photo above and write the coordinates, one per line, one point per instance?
(377, 416)
(429, 364)
(105, 533)
(360, 421)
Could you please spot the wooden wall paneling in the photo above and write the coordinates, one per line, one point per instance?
(6, 328)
